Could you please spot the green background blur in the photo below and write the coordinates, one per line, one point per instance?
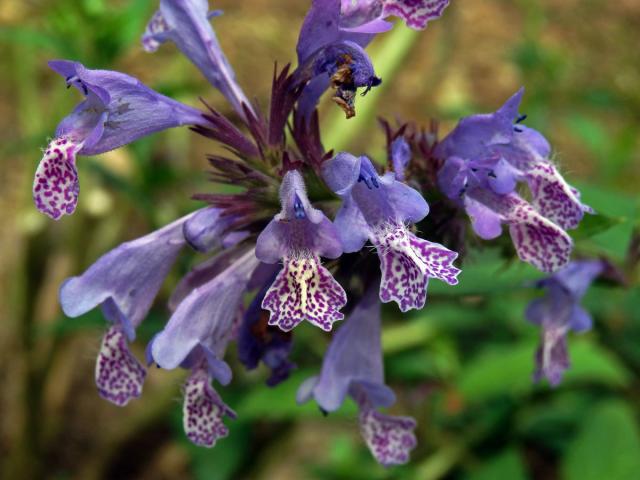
(462, 367)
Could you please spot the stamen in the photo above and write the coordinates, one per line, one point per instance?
(521, 118)
(298, 208)
(373, 82)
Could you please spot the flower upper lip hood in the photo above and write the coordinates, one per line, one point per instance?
(118, 109)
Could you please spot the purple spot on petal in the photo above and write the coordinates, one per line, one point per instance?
(119, 376)
(203, 410)
(304, 290)
(55, 186)
(389, 438)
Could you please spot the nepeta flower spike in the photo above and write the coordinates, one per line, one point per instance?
(124, 282)
(299, 235)
(117, 110)
(353, 365)
(186, 23)
(379, 208)
(558, 312)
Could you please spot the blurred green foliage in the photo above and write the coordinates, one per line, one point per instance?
(462, 366)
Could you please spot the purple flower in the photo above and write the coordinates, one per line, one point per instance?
(379, 209)
(559, 311)
(346, 66)
(186, 23)
(299, 235)
(124, 282)
(353, 366)
(117, 110)
(485, 157)
(203, 410)
(337, 21)
(196, 338)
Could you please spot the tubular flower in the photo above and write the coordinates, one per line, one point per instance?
(117, 110)
(379, 209)
(558, 312)
(196, 338)
(353, 366)
(331, 22)
(299, 235)
(124, 283)
(485, 157)
(186, 23)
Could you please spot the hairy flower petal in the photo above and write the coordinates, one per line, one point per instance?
(119, 376)
(554, 198)
(304, 290)
(415, 13)
(203, 411)
(389, 438)
(407, 262)
(55, 186)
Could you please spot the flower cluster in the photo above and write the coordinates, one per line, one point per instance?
(295, 236)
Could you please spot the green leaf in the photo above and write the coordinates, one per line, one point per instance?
(506, 370)
(488, 265)
(608, 447)
(592, 225)
(228, 456)
(507, 465)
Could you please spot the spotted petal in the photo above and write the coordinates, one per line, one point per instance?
(415, 13)
(552, 357)
(554, 198)
(119, 376)
(407, 262)
(536, 239)
(56, 187)
(304, 290)
(389, 438)
(203, 411)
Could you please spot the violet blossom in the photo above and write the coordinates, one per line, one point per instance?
(332, 22)
(187, 24)
(299, 235)
(266, 236)
(485, 157)
(559, 312)
(117, 110)
(378, 209)
(353, 366)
